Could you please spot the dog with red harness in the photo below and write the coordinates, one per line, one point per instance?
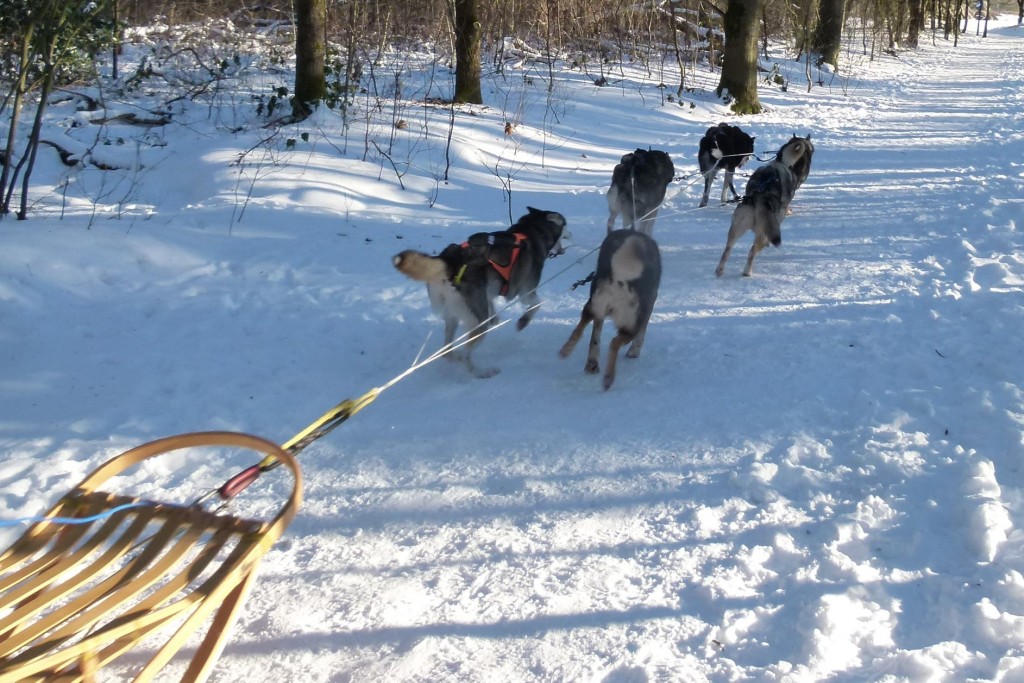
(464, 279)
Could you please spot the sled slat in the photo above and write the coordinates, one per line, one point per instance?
(76, 598)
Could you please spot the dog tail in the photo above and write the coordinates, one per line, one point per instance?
(772, 226)
(795, 150)
(420, 266)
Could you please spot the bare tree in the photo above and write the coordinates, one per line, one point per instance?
(467, 53)
(52, 36)
(739, 66)
(916, 22)
(829, 32)
(310, 51)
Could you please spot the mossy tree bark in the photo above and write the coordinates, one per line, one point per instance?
(467, 53)
(739, 64)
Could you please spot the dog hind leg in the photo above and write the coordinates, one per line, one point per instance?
(451, 324)
(647, 222)
(532, 302)
(741, 222)
(760, 242)
(593, 364)
(477, 335)
(586, 317)
(638, 340)
(767, 218)
(628, 215)
(618, 341)
(478, 319)
(709, 178)
(613, 207)
(728, 187)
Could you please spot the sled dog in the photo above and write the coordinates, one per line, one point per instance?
(624, 287)
(801, 168)
(727, 148)
(638, 187)
(769, 191)
(464, 279)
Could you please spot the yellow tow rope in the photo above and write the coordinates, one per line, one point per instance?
(318, 428)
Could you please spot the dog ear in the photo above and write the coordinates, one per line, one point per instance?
(555, 218)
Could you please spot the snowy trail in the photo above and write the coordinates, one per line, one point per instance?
(811, 474)
(506, 558)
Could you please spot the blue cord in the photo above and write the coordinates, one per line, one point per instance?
(72, 520)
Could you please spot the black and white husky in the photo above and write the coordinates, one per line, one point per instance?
(723, 147)
(639, 183)
(766, 200)
(464, 279)
(624, 287)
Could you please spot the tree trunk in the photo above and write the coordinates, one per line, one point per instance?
(829, 32)
(916, 23)
(467, 53)
(310, 51)
(20, 87)
(37, 128)
(670, 8)
(739, 66)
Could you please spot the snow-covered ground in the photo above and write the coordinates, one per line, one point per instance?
(811, 474)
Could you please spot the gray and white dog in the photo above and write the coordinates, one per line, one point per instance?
(802, 166)
(464, 279)
(625, 286)
(766, 200)
(639, 183)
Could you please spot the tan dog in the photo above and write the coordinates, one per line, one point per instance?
(625, 286)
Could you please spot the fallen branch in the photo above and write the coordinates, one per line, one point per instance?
(132, 119)
(67, 157)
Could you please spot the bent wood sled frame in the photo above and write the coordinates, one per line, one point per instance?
(77, 597)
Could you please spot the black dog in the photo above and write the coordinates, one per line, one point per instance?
(638, 187)
(723, 147)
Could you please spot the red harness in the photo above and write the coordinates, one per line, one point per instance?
(503, 270)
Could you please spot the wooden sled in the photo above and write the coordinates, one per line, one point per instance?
(75, 598)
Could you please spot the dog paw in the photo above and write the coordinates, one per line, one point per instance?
(564, 351)
(633, 353)
(592, 367)
(719, 271)
(608, 381)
